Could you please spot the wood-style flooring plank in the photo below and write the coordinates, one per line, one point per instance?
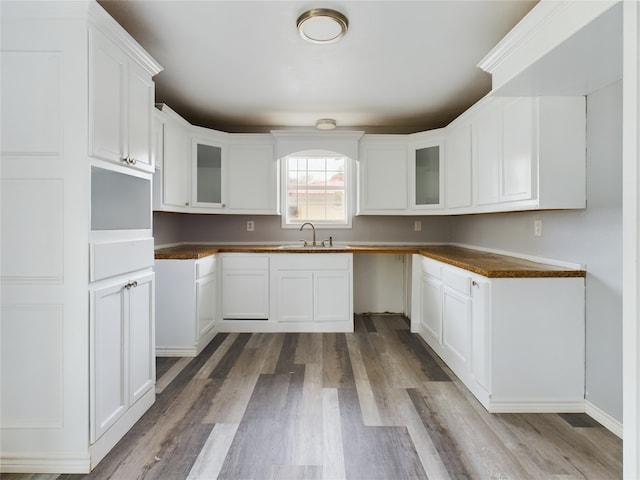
(337, 371)
(210, 459)
(366, 397)
(171, 373)
(333, 446)
(375, 452)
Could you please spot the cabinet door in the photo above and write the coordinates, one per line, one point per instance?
(206, 303)
(107, 73)
(431, 307)
(245, 294)
(382, 179)
(518, 150)
(427, 176)
(480, 324)
(458, 168)
(207, 185)
(109, 358)
(140, 297)
(456, 314)
(294, 296)
(486, 157)
(140, 110)
(332, 291)
(252, 180)
(175, 171)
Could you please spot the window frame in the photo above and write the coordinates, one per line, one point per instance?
(349, 190)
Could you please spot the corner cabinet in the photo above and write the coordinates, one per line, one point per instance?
(514, 352)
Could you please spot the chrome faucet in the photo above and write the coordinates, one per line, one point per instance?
(314, 233)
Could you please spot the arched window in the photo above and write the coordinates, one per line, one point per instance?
(316, 188)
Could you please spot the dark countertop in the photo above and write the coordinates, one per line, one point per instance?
(491, 265)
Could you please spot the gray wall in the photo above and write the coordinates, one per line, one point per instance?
(171, 228)
(592, 237)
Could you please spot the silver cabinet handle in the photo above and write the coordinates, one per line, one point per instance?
(131, 284)
(474, 283)
(129, 160)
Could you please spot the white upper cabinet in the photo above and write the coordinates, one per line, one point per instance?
(121, 98)
(176, 182)
(206, 171)
(529, 153)
(426, 171)
(207, 166)
(252, 176)
(457, 168)
(383, 175)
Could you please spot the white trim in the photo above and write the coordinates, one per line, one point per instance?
(630, 240)
(603, 418)
(176, 352)
(44, 463)
(539, 406)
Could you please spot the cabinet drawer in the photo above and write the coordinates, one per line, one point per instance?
(205, 266)
(246, 262)
(431, 267)
(457, 280)
(115, 258)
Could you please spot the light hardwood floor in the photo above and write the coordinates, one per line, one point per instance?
(373, 404)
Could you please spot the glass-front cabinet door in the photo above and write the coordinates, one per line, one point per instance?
(428, 175)
(208, 164)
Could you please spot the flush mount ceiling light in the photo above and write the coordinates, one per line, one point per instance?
(322, 25)
(326, 124)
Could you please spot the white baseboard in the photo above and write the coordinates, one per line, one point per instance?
(603, 418)
(533, 406)
(44, 463)
(176, 352)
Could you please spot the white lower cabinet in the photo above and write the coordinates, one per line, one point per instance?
(313, 292)
(245, 286)
(186, 306)
(123, 356)
(516, 343)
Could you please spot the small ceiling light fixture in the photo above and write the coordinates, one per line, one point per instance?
(326, 124)
(322, 25)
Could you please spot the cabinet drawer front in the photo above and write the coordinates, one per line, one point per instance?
(205, 266)
(313, 261)
(457, 280)
(431, 267)
(115, 258)
(246, 262)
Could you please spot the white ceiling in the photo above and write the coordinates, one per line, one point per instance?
(240, 66)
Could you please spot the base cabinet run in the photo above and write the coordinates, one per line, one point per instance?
(185, 306)
(516, 343)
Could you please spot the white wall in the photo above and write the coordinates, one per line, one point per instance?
(592, 237)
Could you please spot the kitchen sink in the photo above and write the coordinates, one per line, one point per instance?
(313, 247)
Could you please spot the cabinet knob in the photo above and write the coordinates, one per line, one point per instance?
(186, 204)
(474, 283)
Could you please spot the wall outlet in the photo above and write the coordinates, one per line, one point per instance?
(250, 226)
(537, 228)
(417, 226)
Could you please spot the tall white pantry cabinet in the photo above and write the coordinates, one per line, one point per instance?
(77, 321)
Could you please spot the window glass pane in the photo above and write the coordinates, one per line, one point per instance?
(316, 189)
